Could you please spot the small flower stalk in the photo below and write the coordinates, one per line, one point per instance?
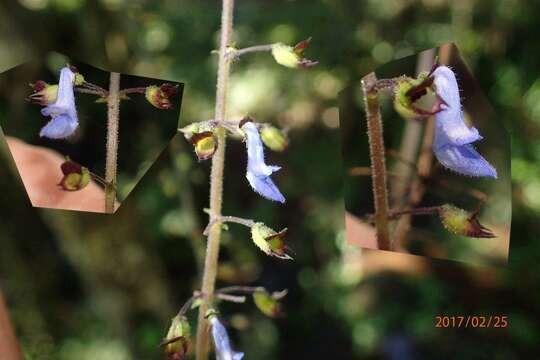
(220, 337)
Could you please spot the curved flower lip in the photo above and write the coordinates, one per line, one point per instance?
(222, 343)
(258, 172)
(63, 113)
(450, 119)
(465, 160)
(453, 139)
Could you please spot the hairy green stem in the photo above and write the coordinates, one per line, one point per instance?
(113, 122)
(216, 181)
(252, 49)
(414, 212)
(225, 219)
(377, 154)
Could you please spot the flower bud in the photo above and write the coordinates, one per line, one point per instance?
(269, 241)
(160, 96)
(79, 79)
(76, 177)
(44, 94)
(268, 303)
(461, 222)
(292, 57)
(177, 341)
(274, 138)
(205, 144)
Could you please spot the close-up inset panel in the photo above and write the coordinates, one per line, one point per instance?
(80, 137)
(427, 161)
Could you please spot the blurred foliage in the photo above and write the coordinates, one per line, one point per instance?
(88, 286)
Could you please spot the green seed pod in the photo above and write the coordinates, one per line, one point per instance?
(79, 79)
(461, 222)
(269, 241)
(274, 138)
(292, 57)
(285, 55)
(268, 303)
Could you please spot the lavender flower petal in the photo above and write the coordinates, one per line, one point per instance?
(258, 172)
(453, 139)
(222, 343)
(465, 160)
(450, 119)
(63, 113)
(60, 127)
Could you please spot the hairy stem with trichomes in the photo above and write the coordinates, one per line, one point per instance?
(113, 122)
(216, 181)
(377, 154)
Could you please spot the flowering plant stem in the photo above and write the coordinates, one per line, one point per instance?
(113, 112)
(377, 154)
(216, 181)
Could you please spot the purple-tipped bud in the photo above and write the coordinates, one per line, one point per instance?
(464, 223)
(160, 96)
(76, 177)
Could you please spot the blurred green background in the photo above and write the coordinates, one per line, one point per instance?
(94, 287)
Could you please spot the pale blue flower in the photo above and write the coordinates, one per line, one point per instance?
(222, 343)
(258, 173)
(63, 113)
(453, 140)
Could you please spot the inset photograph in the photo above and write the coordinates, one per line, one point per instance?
(426, 161)
(77, 134)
